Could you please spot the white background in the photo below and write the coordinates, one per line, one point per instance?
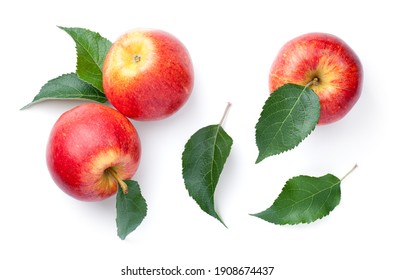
(46, 234)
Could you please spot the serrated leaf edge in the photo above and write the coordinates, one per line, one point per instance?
(34, 101)
(144, 209)
(216, 215)
(69, 29)
(303, 222)
(260, 157)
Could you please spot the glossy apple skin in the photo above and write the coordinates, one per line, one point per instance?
(328, 58)
(86, 141)
(147, 74)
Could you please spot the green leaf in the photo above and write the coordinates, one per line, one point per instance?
(92, 49)
(289, 115)
(68, 86)
(131, 209)
(203, 160)
(304, 199)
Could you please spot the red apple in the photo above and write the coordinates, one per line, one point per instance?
(147, 74)
(330, 63)
(91, 149)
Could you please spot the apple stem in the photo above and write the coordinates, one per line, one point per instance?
(120, 182)
(349, 172)
(312, 82)
(225, 113)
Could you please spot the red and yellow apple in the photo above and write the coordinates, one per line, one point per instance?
(329, 64)
(147, 74)
(91, 149)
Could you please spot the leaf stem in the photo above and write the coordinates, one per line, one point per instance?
(225, 113)
(120, 182)
(349, 172)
